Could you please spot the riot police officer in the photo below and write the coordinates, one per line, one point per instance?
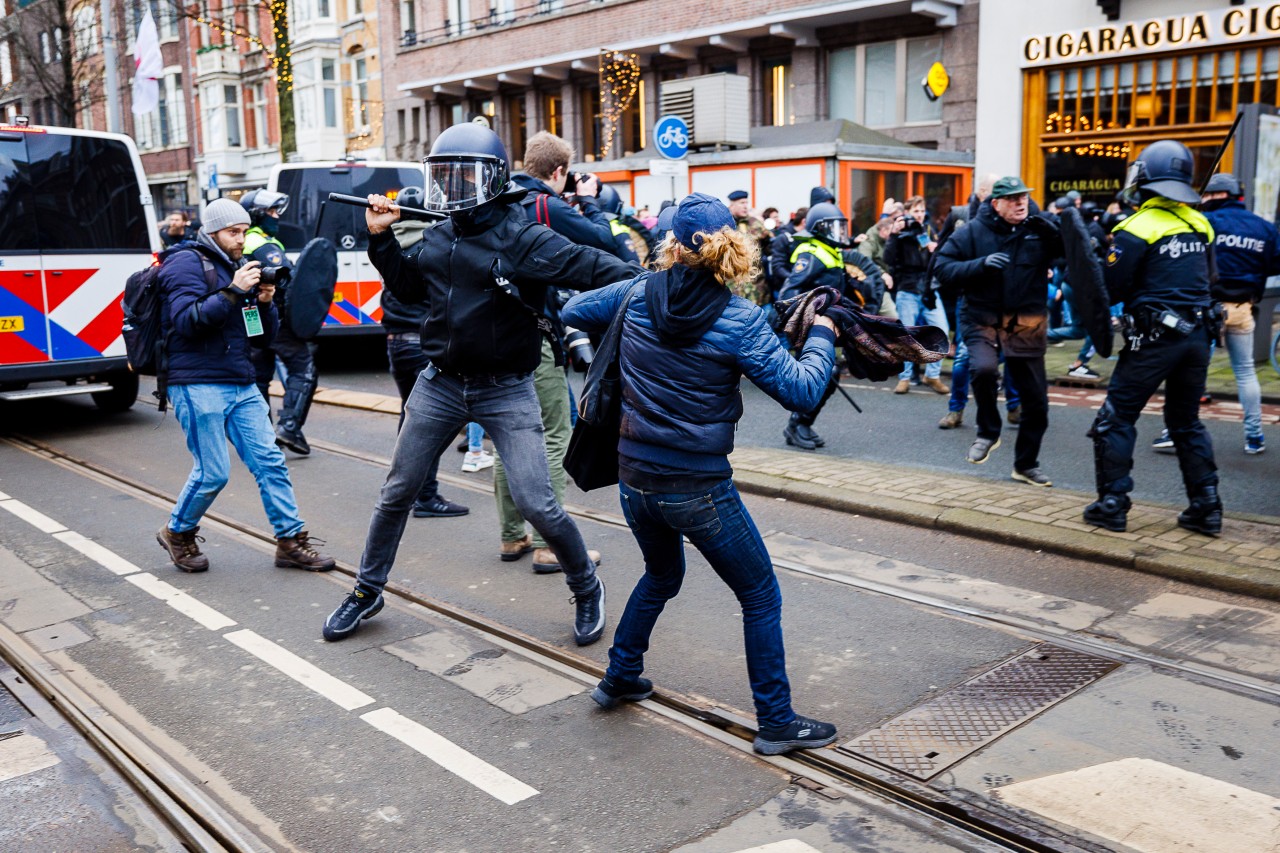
(1159, 266)
(611, 204)
(260, 244)
(823, 257)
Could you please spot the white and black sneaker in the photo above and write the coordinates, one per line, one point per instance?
(1083, 372)
(1163, 443)
(800, 733)
(588, 622)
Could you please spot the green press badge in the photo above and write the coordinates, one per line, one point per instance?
(252, 321)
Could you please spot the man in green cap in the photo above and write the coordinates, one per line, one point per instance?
(999, 263)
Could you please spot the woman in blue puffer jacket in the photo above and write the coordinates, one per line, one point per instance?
(686, 344)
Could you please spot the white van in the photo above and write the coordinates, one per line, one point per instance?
(357, 300)
(76, 220)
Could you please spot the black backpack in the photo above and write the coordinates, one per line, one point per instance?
(143, 304)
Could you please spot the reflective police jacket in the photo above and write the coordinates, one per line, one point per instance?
(484, 279)
(622, 242)
(269, 252)
(1159, 257)
(1247, 252)
(815, 264)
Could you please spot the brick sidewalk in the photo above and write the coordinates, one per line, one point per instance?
(1246, 558)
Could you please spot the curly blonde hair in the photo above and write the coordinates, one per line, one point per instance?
(729, 255)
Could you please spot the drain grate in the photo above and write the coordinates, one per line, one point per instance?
(931, 737)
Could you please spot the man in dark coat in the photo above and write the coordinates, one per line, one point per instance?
(1000, 262)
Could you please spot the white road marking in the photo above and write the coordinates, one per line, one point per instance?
(24, 754)
(100, 555)
(3, 496)
(791, 845)
(450, 756)
(37, 519)
(302, 671)
(181, 602)
(1152, 807)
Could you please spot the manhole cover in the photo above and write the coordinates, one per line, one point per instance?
(931, 737)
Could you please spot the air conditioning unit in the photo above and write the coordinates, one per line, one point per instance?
(716, 107)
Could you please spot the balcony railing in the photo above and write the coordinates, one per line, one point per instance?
(529, 11)
(216, 59)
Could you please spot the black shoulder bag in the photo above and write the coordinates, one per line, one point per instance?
(592, 457)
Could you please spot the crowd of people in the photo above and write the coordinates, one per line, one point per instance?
(537, 259)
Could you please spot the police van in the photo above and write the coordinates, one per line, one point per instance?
(357, 299)
(76, 219)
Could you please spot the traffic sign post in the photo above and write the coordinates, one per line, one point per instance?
(671, 137)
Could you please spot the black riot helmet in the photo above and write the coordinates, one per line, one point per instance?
(259, 203)
(467, 167)
(1166, 169)
(1224, 182)
(610, 201)
(825, 222)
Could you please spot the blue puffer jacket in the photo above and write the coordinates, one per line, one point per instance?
(685, 346)
(209, 342)
(1247, 250)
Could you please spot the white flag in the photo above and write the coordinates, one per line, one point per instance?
(146, 52)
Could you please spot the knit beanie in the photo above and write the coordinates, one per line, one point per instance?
(223, 213)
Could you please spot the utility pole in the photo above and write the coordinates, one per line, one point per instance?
(110, 61)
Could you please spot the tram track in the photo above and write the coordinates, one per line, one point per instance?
(827, 771)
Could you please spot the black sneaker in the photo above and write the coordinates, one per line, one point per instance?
(588, 623)
(358, 606)
(801, 733)
(610, 694)
(439, 507)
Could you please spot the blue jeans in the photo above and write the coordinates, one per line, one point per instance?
(211, 414)
(475, 437)
(910, 312)
(1240, 352)
(407, 360)
(506, 407)
(718, 525)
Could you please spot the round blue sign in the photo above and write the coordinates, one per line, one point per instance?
(671, 136)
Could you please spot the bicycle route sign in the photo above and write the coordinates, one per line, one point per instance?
(671, 136)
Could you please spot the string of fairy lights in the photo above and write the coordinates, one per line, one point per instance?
(1069, 124)
(619, 83)
(281, 53)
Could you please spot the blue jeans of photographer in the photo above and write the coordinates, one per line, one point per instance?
(506, 406)
(211, 414)
(718, 525)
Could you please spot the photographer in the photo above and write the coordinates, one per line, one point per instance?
(546, 161)
(260, 244)
(907, 253)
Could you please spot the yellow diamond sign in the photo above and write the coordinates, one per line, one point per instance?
(936, 81)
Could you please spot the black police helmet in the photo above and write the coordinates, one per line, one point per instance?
(259, 203)
(1225, 182)
(1165, 168)
(467, 167)
(610, 201)
(826, 222)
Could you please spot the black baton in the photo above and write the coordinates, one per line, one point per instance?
(364, 202)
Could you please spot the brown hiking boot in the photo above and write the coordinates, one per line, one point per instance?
(296, 552)
(512, 551)
(902, 387)
(545, 562)
(951, 420)
(183, 550)
(937, 385)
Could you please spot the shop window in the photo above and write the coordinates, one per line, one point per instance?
(778, 84)
(868, 189)
(632, 131)
(553, 111)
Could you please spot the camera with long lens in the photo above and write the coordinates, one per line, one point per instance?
(274, 275)
(577, 345)
(571, 182)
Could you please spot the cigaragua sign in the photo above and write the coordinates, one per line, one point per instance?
(1224, 26)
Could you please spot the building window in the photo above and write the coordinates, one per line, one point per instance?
(329, 77)
(921, 54)
(777, 92)
(632, 131)
(879, 85)
(177, 108)
(357, 8)
(253, 25)
(46, 52)
(85, 31)
(456, 22)
(360, 96)
(415, 132)
(880, 90)
(260, 137)
(553, 113)
(86, 108)
(408, 23)
(518, 120)
(592, 124)
(6, 64)
(231, 113)
(503, 11)
(842, 83)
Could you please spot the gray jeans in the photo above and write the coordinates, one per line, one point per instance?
(507, 407)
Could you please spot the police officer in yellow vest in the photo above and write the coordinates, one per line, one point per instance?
(260, 244)
(823, 256)
(611, 204)
(1159, 266)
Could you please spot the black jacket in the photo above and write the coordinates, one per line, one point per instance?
(1159, 258)
(399, 316)
(588, 228)
(908, 261)
(484, 280)
(1012, 299)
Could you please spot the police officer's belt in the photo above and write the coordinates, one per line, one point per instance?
(404, 336)
(1150, 321)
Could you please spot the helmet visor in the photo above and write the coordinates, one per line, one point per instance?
(835, 230)
(461, 184)
(268, 200)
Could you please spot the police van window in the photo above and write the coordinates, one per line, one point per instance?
(17, 203)
(91, 181)
(310, 214)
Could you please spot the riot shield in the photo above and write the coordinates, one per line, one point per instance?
(310, 290)
(1091, 302)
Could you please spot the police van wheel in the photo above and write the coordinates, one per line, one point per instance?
(123, 393)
